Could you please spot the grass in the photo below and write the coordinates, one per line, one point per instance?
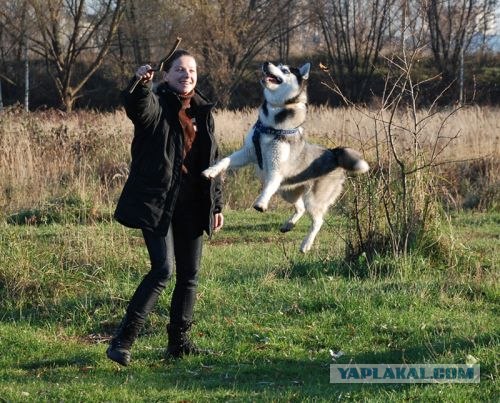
(270, 313)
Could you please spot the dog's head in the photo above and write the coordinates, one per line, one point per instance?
(283, 83)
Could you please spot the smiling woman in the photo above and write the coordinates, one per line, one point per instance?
(166, 197)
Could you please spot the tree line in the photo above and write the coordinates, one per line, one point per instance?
(79, 53)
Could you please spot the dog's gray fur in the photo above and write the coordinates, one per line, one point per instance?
(306, 175)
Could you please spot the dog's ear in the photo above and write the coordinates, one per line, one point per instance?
(304, 71)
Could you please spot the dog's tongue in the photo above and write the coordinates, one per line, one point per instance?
(272, 79)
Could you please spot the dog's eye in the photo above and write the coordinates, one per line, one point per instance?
(285, 70)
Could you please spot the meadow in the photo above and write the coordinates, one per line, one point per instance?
(270, 314)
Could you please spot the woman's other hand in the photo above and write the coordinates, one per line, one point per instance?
(218, 221)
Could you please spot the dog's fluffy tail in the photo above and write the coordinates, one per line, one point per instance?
(331, 159)
(350, 160)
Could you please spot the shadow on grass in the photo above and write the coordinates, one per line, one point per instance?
(58, 312)
(262, 373)
(426, 353)
(79, 361)
(313, 269)
(268, 377)
(310, 377)
(254, 227)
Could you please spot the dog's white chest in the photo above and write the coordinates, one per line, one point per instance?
(274, 152)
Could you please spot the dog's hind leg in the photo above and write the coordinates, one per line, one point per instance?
(299, 212)
(317, 203)
(317, 222)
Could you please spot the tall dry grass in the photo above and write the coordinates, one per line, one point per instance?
(49, 155)
(464, 142)
(478, 128)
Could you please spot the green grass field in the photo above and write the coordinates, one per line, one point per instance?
(270, 314)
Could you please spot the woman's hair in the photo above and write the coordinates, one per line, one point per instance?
(178, 53)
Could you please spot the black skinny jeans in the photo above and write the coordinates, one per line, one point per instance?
(182, 244)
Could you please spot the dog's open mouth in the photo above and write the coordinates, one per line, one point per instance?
(271, 78)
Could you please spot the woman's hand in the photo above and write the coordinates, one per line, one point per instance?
(218, 221)
(145, 73)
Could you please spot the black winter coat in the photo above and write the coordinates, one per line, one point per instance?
(150, 192)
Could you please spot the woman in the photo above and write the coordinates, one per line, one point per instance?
(167, 198)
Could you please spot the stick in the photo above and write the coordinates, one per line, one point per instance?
(160, 65)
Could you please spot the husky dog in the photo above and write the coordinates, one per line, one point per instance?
(306, 175)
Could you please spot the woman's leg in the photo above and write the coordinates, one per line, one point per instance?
(160, 250)
(188, 249)
(188, 241)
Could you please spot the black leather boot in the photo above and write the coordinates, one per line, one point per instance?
(119, 347)
(179, 343)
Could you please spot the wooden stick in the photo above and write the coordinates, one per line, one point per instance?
(160, 65)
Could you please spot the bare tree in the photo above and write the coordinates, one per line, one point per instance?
(452, 26)
(354, 32)
(145, 29)
(135, 33)
(231, 33)
(284, 22)
(12, 43)
(68, 32)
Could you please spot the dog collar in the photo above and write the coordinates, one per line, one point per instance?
(259, 127)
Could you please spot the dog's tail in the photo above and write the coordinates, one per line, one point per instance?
(331, 159)
(350, 160)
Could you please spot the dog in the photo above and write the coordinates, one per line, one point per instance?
(306, 175)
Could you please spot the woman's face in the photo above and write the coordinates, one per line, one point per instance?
(182, 76)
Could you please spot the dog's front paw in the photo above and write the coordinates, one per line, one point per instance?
(211, 172)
